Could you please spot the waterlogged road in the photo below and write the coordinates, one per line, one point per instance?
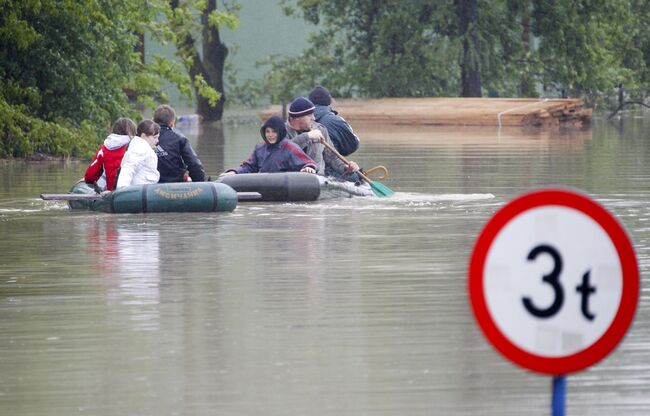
(342, 307)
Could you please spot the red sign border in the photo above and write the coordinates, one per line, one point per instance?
(629, 296)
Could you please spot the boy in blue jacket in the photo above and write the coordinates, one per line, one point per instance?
(276, 154)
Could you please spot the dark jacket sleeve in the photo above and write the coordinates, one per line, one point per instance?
(250, 165)
(296, 158)
(194, 165)
(302, 140)
(342, 135)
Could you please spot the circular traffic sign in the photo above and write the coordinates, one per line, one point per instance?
(553, 281)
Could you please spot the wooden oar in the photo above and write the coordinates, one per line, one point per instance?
(248, 196)
(71, 197)
(241, 196)
(377, 187)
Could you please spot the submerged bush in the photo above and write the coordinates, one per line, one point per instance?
(23, 135)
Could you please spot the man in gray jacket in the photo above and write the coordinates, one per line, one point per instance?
(307, 134)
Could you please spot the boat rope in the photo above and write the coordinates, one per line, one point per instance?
(144, 197)
(213, 188)
(517, 108)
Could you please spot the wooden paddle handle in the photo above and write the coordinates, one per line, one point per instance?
(380, 167)
(71, 197)
(340, 156)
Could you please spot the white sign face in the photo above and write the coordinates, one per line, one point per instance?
(552, 281)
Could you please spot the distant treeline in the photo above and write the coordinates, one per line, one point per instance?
(515, 48)
(70, 68)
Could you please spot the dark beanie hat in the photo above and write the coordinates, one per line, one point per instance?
(276, 124)
(320, 96)
(301, 107)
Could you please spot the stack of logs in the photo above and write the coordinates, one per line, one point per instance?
(462, 111)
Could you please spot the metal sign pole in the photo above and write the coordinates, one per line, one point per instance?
(558, 405)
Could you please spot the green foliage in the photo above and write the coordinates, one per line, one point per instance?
(378, 48)
(636, 53)
(23, 134)
(67, 69)
(59, 63)
(582, 45)
(502, 59)
(206, 90)
(371, 48)
(217, 19)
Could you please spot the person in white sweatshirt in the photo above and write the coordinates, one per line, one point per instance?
(140, 163)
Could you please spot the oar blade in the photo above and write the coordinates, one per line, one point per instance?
(249, 196)
(70, 197)
(380, 189)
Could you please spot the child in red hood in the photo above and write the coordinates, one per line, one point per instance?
(109, 155)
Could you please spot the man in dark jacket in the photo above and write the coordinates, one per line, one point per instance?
(175, 153)
(341, 134)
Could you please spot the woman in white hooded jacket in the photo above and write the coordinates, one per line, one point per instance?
(140, 163)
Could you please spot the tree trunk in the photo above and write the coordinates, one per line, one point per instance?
(139, 47)
(210, 67)
(470, 69)
(214, 58)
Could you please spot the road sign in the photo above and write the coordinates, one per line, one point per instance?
(553, 281)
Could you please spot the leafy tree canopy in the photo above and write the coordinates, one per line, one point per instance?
(376, 48)
(370, 48)
(67, 69)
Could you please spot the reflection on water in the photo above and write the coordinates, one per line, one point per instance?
(210, 147)
(353, 306)
(128, 258)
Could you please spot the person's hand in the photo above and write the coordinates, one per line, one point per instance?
(316, 136)
(105, 193)
(230, 172)
(352, 167)
(95, 187)
(308, 169)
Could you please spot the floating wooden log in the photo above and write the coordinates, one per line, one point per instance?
(461, 111)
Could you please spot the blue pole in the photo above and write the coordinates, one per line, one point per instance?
(559, 396)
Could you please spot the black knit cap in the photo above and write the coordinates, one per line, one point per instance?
(301, 107)
(277, 124)
(320, 96)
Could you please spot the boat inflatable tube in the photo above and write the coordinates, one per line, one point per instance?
(286, 186)
(161, 197)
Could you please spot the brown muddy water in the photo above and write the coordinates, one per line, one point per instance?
(344, 307)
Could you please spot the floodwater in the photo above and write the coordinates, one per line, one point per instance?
(344, 307)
